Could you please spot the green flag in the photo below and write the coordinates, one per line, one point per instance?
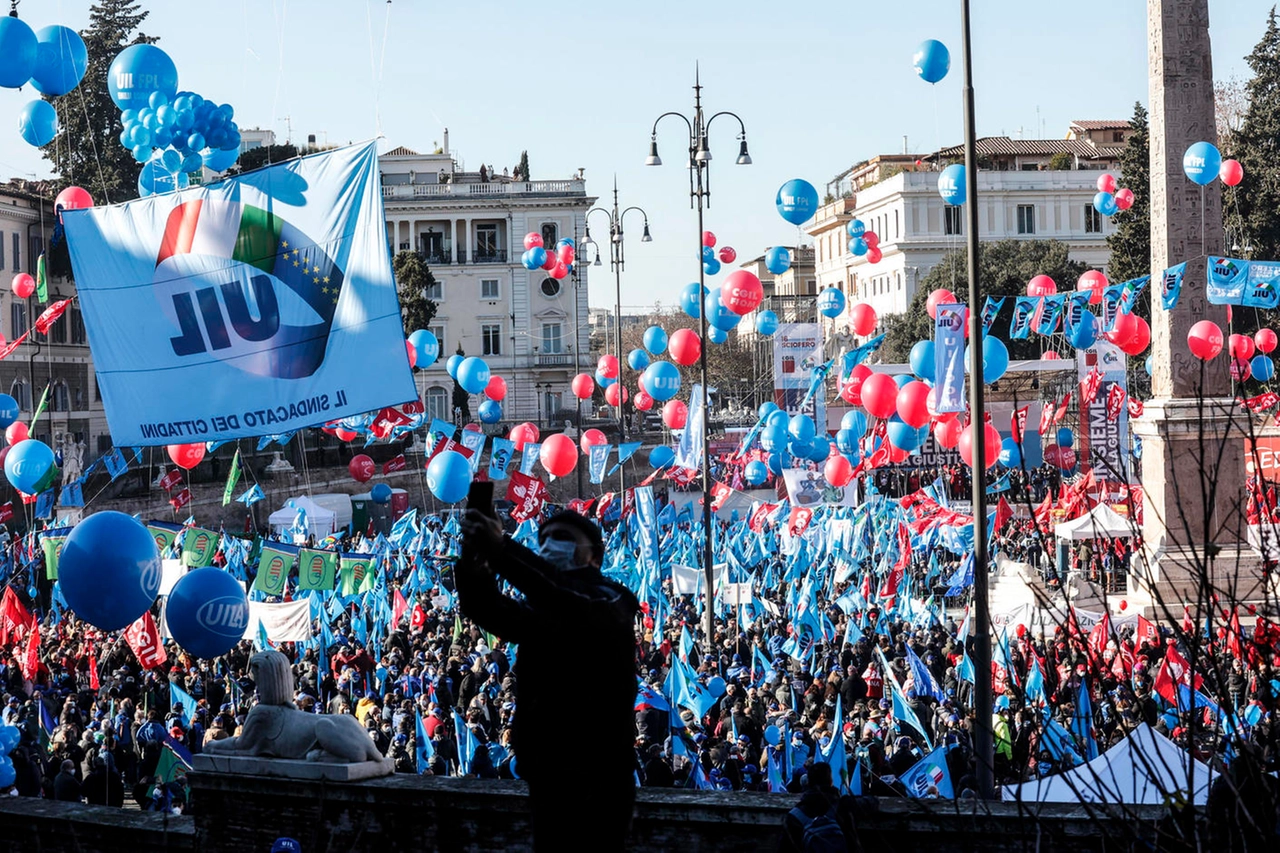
(42, 279)
(168, 768)
(233, 477)
(273, 570)
(52, 552)
(198, 547)
(316, 569)
(44, 399)
(355, 572)
(164, 537)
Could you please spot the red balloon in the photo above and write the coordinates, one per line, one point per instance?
(741, 292)
(1240, 346)
(880, 395)
(1231, 172)
(558, 454)
(559, 271)
(643, 401)
(550, 263)
(1124, 199)
(472, 427)
(583, 385)
(874, 255)
(1050, 356)
(1126, 326)
(532, 239)
(77, 198)
(941, 296)
(871, 238)
(708, 239)
(897, 454)
(522, 434)
(1240, 369)
(496, 390)
(863, 317)
(186, 456)
(913, 403)
(611, 394)
(1141, 338)
(947, 433)
(685, 346)
(851, 391)
(345, 434)
(16, 432)
(608, 366)
(361, 468)
(23, 285)
(590, 438)
(728, 255)
(1041, 285)
(412, 351)
(991, 445)
(1205, 340)
(1106, 183)
(675, 414)
(1051, 454)
(838, 471)
(565, 255)
(1266, 340)
(1095, 282)
(1124, 604)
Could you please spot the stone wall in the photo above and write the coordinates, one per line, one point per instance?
(29, 825)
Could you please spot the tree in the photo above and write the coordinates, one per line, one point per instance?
(413, 278)
(256, 158)
(1130, 243)
(1251, 220)
(1006, 267)
(1062, 162)
(523, 168)
(87, 149)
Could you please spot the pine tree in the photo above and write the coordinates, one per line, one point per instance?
(87, 149)
(1253, 228)
(1130, 243)
(413, 278)
(523, 167)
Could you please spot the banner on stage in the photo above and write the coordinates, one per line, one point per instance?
(797, 351)
(1103, 441)
(810, 489)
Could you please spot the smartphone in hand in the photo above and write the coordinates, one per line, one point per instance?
(480, 497)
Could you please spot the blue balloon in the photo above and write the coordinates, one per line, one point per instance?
(902, 379)
(9, 410)
(1261, 368)
(922, 359)
(18, 51)
(708, 254)
(1065, 437)
(1201, 163)
(846, 440)
(777, 260)
(452, 365)
(904, 436)
(154, 178)
(774, 437)
(655, 340)
(473, 375)
(856, 228)
(29, 466)
(638, 359)
(490, 412)
(10, 737)
(777, 462)
(8, 773)
(855, 420)
(139, 70)
(831, 302)
(1147, 365)
(711, 267)
(171, 159)
(537, 256)
(766, 323)
(381, 492)
(109, 569)
(661, 380)
(661, 456)
(995, 359)
(425, 347)
(802, 429)
(718, 315)
(932, 60)
(797, 201)
(755, 472)
(1085, 332)
(951, 184)
(604, 381)
(38, 123)
(61, 60)
(207, 610)
(767, 408)
(799, 449)
(778, 417)
(1010, 453)
(449, 476)
(691, 299)
(820, 448)
(1105, 203)
(218, 161)
(717, 336)
(858, 247)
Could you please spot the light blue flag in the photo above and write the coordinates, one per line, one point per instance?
(528, 457)
(1171, 285)
(467, 744)
(690, 449)
(990, 309)
(1035, 685)
(1024, 310)
(176, 695)
(598, 457)
(425, 749)
(272, 293)
(923, 679)
(500, 458)
(835, 753)
(440, 429)
(252, 495)
(928, 773)
(647, 525)
(948, 356)
(1082, 722)
(473, 441)
(625, 452)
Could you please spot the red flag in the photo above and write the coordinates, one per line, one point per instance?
(760, 516)
(1233, 634)
(580, 506)
(419, 617)
(1018, 423)
(6, 511)
(181, 499)
(1004, 512)
(799, 520)
(1063, 405)
(1089, 386)
(31, 660)
(1260, 403)
(602, 506)
(1136, 408)
(1146, 631)
(1099, 636)
(719, 494)
(8, 348)
(396, 463)
(51, 314)
(628, 502)
(94, 683)
(144, 639)
(1174, 670)
(400, 605)
(1046, 417)
(528, 494)
(1115, 402)
(173, 478)
(14, 617)
(1187, 625)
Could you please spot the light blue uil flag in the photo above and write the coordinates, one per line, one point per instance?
(948, 354)
(267, 299)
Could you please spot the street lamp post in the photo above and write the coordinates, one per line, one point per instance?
(577, 339)
(700, 197)
(617, 260)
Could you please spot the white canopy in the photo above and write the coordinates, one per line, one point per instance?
(340, 505)
(1101, 522)
(1142, 769)
(320, 521)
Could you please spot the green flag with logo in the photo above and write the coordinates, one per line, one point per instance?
(42, 279)
(317, 569)
(356, 573)
(198, 547)
(273, 570)
(52, 544)
(164, 536)
(233, 477)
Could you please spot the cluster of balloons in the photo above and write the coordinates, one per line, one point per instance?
(171, 132)
(473, 375)
(711, 259)
(932, 60)
(53, 60)
(863, 242)
(1250, 356)
(1202, 162)
(557, 261)
(1110, 200)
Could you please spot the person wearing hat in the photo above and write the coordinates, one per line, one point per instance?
(562, 588)
(11, 711)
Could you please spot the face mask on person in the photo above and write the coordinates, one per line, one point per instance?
(560, 553)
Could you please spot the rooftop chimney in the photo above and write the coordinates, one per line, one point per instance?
(446, 140)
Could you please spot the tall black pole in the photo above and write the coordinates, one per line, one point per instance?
(983, 741)
(577, 332)
(708, 562)
(615, 258)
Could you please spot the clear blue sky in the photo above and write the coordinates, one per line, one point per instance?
(820, 84)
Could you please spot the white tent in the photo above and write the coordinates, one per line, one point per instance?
(1101, 522)
(340, 505)
(320, 521)
(1142, 769)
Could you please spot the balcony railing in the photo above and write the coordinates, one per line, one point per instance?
(547, 359)
(493, 188)
(489, 256)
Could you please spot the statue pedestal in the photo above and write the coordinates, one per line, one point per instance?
(286, 768)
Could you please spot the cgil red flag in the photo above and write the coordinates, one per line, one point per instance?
(144, 640)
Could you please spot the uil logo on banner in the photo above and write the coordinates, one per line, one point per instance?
(314, 571)
(226, 616)
(275, 571)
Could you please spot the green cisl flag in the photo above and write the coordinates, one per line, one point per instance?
(52, 544)
(357, 573)
(316, 569)
(42, 279)
(198, 547)
(273, 570)
(233, 477)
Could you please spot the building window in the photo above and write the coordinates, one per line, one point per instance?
(1, 250)
(21, 392)
(551, 341)
(1117, 136)
(438, 331)
(1092, 220)
(437, 403)
(18, 318)
(951, 220)
(58, 333)
(811, 288)
(37, 247)
(76, 321)
(486, 242)
(550, 235)
(17, 251)
(489, 288)
(895, 225)
(79, 399)
(60, 398)
(434, 291)
(553, 402)
(1026, 219)
(550, 288)
(491, 334)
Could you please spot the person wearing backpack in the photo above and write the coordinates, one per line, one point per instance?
(812, 826)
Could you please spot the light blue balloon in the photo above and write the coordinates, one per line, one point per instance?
(904, 436)
(381, 492)
(951, 184)
(8, 773)
(490, 412)
(219, 161)
(638, 359)
(855, 420)
(932, 60)
(109, 569)
(830, 302)
(38, 123)
(207, 612)
(451, 366)
(777, 260)
(655, 340)
(802, 429)
(718, 315)
(711, 267)
(995, 359)
(1201, 163)
(858, 247)
(820, 448)
(708, 254)
(661, 380)
(846, 441)
(1105, 203)
(1147, 365)
(171, 159)
(9, 411)
(1261, 368)
(1010, 453)
(797, 201)
(777, 462)
(1085, 332)
(856, 228)
(604, 381)
(755, 472)
(154, 178)
(449, 476)
(778, 417)
(61, 60)
(473, 375)
(922, 359)
(717, 336)
(691, 299)
(193, 162)
(661, 456)
(139, 70)
(1065, 437)
(799, 449)
(537, 257)
(767, 408)
(902, 379)
(18, 51)
(28, 464)
(766, 323)
(774, 437)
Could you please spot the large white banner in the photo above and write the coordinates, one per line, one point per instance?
(289, 622)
